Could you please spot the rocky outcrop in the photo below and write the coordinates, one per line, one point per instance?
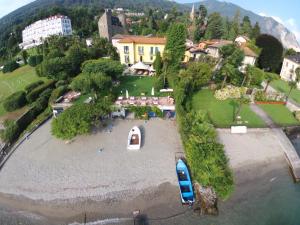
(206, 200)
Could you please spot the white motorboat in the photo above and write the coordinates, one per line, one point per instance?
(134, 139)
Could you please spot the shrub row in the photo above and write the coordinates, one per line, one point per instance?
(34, 94)
(10, 66)
(57, 92)
(15, 101)
(33, 85)
(35, 60)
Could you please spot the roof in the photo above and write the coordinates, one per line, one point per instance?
(243, 36)
(218, 43)
(248, 52)
(295, 58)
(143, 40)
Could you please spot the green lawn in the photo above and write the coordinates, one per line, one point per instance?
(280, 115)
(222, 113)
(282, 86)
(16, 81)
(136, 85)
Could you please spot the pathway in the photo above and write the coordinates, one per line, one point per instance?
(263, 115)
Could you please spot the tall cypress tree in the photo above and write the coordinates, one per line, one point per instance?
(255, 31)
(215, 27)
(246, 26)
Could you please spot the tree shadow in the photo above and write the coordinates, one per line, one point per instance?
(141, 220)
(234, 105)
(143, 135)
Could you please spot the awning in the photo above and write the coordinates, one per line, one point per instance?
(140, 66)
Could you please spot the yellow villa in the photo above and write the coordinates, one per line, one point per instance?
(133, 49)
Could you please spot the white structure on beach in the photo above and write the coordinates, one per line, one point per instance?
(289, 66)
(34, 34)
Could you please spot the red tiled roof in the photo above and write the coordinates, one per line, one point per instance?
(143, 40)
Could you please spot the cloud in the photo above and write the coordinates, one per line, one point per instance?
(290, 23)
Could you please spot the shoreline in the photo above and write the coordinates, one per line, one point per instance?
(156, 202)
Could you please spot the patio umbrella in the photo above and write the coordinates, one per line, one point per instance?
(127, 95)
(152, 91)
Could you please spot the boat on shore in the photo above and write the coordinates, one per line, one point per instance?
(134, 139)
(185, 183)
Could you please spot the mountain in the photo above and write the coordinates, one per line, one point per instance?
(33, 9)
(267, 24)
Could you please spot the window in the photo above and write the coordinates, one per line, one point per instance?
(287, 64)
(141, 58)
(151, 50)
(151, 57)
(126, 58)
(126, 49)
(141, 50)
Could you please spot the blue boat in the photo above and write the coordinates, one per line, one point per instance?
(185, 183)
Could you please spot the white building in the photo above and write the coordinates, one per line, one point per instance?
(34, 34)
(289, 66)
(241, 40)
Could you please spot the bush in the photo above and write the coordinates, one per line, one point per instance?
(10, 66)
(230, 92)
(34, 94)
(11, 131)
(33, 85)
(56, 93)
(14, 101)
(61, 83)
(35, 60)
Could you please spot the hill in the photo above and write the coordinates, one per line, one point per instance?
(268, 25)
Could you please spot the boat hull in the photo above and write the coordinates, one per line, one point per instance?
(134, 139)
(185, 183)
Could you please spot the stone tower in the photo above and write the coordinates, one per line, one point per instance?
(105, 26)
(192, 14)
(109, 25)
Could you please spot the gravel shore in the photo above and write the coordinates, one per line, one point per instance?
(45, 168)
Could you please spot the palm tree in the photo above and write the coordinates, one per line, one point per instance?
(241, 101)
(269, 78)
(227, 71)
(293, 84)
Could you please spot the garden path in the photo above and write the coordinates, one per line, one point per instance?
(261, 113)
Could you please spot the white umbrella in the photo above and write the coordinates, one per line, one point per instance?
(152, 91)
(127, 95)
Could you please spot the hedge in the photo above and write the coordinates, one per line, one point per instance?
(14, 101)
(10, 66)
(34, 94)
(56, 93)
(33, 85)
(35, 60)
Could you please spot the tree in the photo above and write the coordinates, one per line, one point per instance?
(78, 119)
(175, 45)
(14, 101)
(255, 31)
(11, 131)
(215, 27)
(197, 74)
(24, 55)
(293, 85)
(241, 101)
(10, 66)
(200, 23)
(111, 68)
(246, 26)
(235, 26)
(227, 71)
(76, 55)
(271, 55)
(157, 64)
(255, 75)
(269, 77)
(290, 52)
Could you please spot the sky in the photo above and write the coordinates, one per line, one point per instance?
(284, 11)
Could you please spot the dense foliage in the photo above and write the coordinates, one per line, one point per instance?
(35, 60)
(10, 66)
(34, 94)
(14, 101)
(272, 51)
(33, 85)
(79, 119)
(10, 133)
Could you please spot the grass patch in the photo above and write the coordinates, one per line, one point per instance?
(222, 113)
(280, 114)
(283, 86)
(136, 85)
(16, 81)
